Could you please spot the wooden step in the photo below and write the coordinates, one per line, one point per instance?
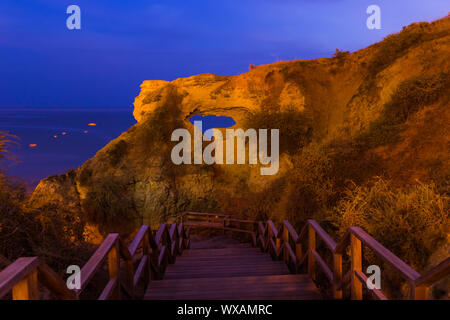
(222, 268)
(275, 287)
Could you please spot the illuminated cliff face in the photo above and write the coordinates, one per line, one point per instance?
(348, 97)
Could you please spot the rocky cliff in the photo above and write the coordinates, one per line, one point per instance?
(386, 106)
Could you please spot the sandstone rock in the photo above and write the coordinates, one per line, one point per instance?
(339, 97)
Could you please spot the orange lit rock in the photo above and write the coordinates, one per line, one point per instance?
(92, 124)
(341, 98)
(32, 145)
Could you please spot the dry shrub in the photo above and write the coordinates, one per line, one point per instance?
(412, 223)
(410, 97)
(321, 174)
(50, 232)
(397, 44)
(339, 56)
(7, 140)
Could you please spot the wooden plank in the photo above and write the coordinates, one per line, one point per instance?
(140, 270)
(268, 287)
(15, 272)
(114, 268)
(109, 290)
(204, 224)
(273, 232)
(290, 254)
(405, 270)
(337, 276)
(374, 292)
(435, 274)
(345, 280)
(138, 239)
(293, 234)
(311, 247)
(323, 235)
(54, 283)
(161, 234)
(27, 288)
(303, 234)
(356, 265)
(97, 259)
(326, 270)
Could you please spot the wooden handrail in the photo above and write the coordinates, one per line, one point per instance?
(435, 274)
(160, 249)
(22, 276)
(280, 243)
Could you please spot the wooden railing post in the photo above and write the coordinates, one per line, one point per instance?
(286, 240)
(146, 252)
(278, 247)
(114, 268)
(356, 265)
(27, 288)
(337, 275)
(311, 247)
(419, 293)
(298, 252)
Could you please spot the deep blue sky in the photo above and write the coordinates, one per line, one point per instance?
(122, 43)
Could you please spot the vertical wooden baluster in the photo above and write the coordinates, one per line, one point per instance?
(298, 254)
(337, 275)
(267, 239)
(113, 268)
(278, 247)
(312, 246)
(419, 293)
(286, 240)
(129, 276)
(146, 252)
(356, 265)
(27, 288)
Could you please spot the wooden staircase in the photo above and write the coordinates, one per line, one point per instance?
(278, 263)
(229, 270)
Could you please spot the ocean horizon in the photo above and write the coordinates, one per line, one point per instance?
(53, 140)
